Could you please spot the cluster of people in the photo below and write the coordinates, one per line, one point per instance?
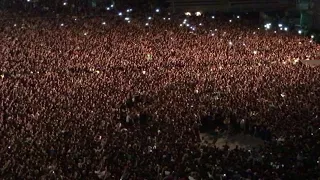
(116, 98)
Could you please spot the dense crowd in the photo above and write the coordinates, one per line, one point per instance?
(105, 98)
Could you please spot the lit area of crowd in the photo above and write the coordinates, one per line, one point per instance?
(121, 96)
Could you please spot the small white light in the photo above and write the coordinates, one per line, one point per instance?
(169, 19)
(64, 3)
(62, 24)
(230, 20)
(104, 23)
(300, 32)
(128, 10)
(215, 29)
(312, 36)
(75, 19)
(157, 10)
(275, 31)
(108, 8)
(230, 43)
(164, 18)
(212, 34)
(143, 72)
(212, 17)
(244, 44)
(111, 5)
(280, 25)
(254, 32)
(255, 52)
(120, 13)
(286, 29)
(127, 18)
(198, 13)
(187, 13)
(200, 24)
(147, 24)
(28, 0)
(149, 18)
(15, 25)
(238, 17)
(180, 25)
(281, 29)
(128, 21)
(188, 25)
(258, 28)
(85, 34)
(196, 91)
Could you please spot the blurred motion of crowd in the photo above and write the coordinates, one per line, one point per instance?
(122, 97)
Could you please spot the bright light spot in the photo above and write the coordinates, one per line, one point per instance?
(120, 13)
(286, 29)
(254, 32)
(255, 52)
(2, 76)
(128, 10)
(128, 21)
(75, 19)
(15, 25)
(200, 24)
(275, 31)
(212, 34)
(187, 13)
(198, 13)
(230, 20)
(85, 34)
(149, 18)
(169, 19)
(62, 24)
(127, 18)
(244, 44)
(111, 5)
(164, 18)
(238, 17)
(212, 17)
(230, 43)
(215, 29)
(300, 32)
(258, 28)
(143, 72)
(181, 25)
(108, 8)
(312, 36)
(28, 0)
(64, 3)
(280, 25)
(267, 26)
(104, 23)
(188, 25)
(196, 91)
(147, 24)
(157, 10)
(281, 29)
